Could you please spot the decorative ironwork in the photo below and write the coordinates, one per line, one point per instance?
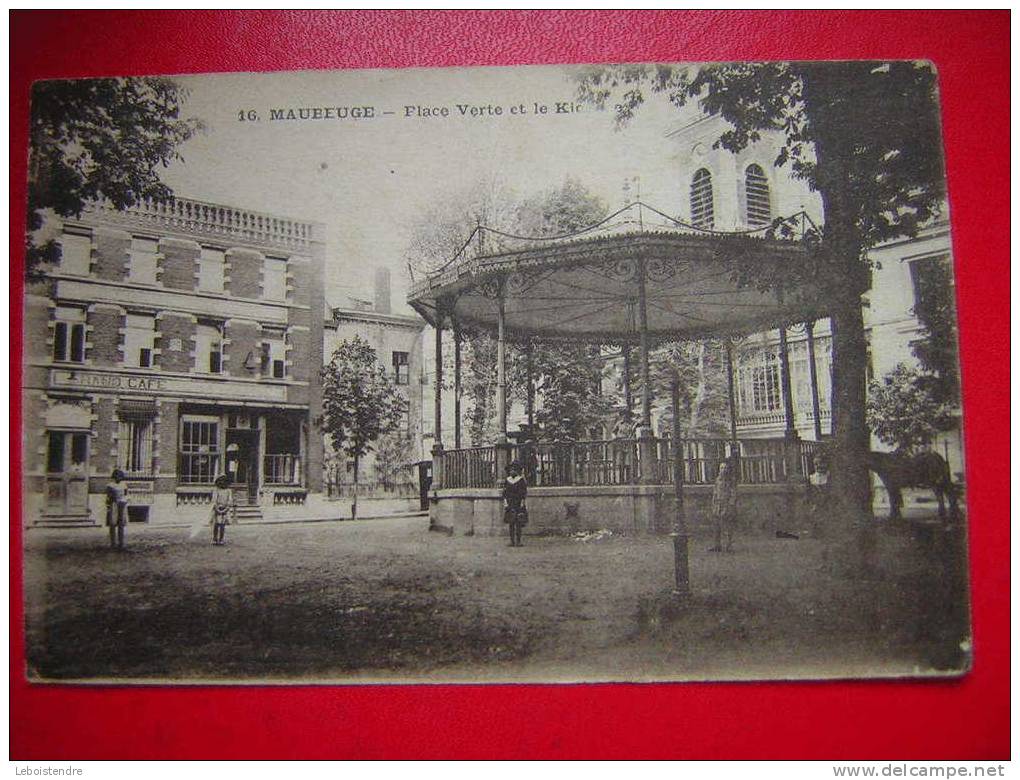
(622, 270)
(492, 288)
(520, 281)
(661, 269)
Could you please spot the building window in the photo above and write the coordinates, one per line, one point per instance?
(139, 340)
(211, 270)
(401, 368)
(800, 375)
(134, 447)
(142, 268)
(200, 450)
(932, 280)
(69, 335)
(702, 206)
(274, 362)
(209, 348)
(758, 383)
(759, 201)
(274, 279)
(67, 452)
(76, 254)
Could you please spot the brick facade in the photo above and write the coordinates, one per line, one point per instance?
(299, 273)
(178, 416)
(245, 273)
(111, 254)
(104, 443)
(104, 335)
(166, 453)
(243, 338)
(179, 266)
(176, 342)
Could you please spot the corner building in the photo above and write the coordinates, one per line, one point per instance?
(177, 342)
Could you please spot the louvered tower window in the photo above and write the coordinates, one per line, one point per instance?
(759, 204)
(702, 209)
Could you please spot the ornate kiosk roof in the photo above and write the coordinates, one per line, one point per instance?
(698, 284)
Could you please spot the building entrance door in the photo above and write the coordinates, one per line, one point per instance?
(243, 461)
(67, 481)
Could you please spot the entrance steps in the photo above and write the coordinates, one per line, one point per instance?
(64, 521)
(245, 510)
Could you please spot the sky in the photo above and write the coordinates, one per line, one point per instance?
(371, 180)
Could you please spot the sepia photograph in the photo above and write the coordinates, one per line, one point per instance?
(559, 374)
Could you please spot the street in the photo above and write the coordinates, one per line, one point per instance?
(387, 599)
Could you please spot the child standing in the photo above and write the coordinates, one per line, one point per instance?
(724, 505)
(515, 489)
(222, 507)
(116, 508)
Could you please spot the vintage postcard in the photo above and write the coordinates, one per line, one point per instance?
(551, 374)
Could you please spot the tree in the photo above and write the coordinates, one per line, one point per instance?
(443, 232)
(866, 137)
(704, 407)
(393, 456)
(904, 412)
(96, 140)
(359, 403)
(936, 312)
(568, 379)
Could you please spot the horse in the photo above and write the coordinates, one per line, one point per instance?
(925, 469)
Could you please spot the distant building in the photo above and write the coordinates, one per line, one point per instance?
(724, 191)
(176, 342)
(397, 340)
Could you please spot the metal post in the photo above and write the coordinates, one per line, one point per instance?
(501, 367)
(784, 374)
(732, 395)
(456, 385)
(628, 397)
(809, 328)
(439, 379)
(791, 448)
(531, 390)
(681, 569)
(646, 384)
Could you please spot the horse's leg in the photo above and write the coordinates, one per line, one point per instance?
(940, 496)
(895, 500)
(954, 501)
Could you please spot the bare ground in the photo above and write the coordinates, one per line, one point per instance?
(387, 599)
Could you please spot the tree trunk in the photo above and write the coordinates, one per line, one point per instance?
(845, 276)
(851, 484)
(699, 394)
(354, 497)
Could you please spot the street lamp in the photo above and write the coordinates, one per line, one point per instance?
(681, 567)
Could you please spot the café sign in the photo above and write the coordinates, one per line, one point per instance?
(103, 381)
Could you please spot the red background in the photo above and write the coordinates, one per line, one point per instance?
(968, 718)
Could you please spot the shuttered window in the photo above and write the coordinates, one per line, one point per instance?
(702, 205)
(759, 201)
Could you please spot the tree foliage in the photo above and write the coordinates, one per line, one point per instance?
(904, 412)
(565, 376)
(100, 140)
(936, 313)
(393, 455)
(359, 402)
(568, 381)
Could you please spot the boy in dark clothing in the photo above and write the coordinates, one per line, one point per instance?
(515, 489)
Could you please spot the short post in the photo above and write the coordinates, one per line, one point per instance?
(438, 463)
(809, 329)
(647, 456)
(681, 567)
(502, 462)
(791, 440)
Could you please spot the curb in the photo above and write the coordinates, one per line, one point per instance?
(294, 521)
